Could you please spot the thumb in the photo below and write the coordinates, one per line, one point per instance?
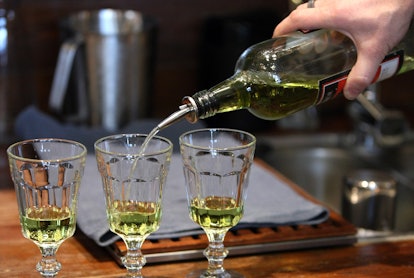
(361, 75)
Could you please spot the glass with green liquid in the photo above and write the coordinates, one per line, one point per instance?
(133, 178)
(46, 174)
(216, 169)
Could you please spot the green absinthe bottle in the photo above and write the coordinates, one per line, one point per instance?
(283, 75)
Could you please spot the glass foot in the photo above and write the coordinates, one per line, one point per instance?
(48, 268)
(204, 274)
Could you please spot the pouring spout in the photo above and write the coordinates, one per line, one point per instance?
(183, 111)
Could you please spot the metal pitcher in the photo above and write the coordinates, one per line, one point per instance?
(368, 199)
(104, 68)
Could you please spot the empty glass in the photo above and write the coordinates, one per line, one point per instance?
(46, 175)
(216, 169)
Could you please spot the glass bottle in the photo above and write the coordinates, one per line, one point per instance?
(283, 75)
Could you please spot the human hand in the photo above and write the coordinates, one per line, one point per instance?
(375, 27)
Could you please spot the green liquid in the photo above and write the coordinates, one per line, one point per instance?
(278, 101)
(215, 212)
(48, 225)
(263, 96)
(408, 64)
(128, 218)
(269, 96)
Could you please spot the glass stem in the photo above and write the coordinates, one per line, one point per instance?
(215, 253)
(134, 260)
(48, 266)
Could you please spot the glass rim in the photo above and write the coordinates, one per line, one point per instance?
(39, 140)
(228, 130)
(126, 135)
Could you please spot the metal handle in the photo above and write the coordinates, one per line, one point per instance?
(61, 77)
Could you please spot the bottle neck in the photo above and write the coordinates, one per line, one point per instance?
(203, 105)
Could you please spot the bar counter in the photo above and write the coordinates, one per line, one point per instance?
(81, 257)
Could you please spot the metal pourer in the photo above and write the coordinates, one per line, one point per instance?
(185, 111)
(190, 110)
(189, 103)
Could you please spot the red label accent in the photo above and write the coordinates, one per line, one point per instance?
(332, 86)
(377, 75)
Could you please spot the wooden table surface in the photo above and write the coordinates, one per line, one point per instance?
(81, 257)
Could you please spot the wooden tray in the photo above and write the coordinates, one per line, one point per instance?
(334, 231)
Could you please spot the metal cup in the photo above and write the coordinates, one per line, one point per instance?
(369, 199)
(104, 68)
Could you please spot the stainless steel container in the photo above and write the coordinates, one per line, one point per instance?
(369, 199)
(16, 87)
(104, 68)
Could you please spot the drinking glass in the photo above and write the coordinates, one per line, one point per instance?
(216, 169)
(133, 178)
(46, 174)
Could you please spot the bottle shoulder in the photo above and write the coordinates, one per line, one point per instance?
(320, 52)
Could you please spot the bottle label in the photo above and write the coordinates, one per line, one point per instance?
(332, 86)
